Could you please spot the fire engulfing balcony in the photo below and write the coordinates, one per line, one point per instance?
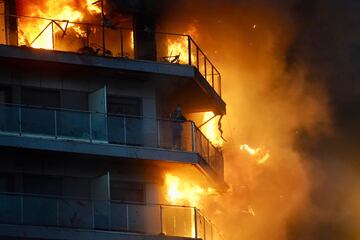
(148, 219)
(110, 41)
(112, 130)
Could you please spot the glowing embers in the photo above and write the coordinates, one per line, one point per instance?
(183, 192)
(258, 154)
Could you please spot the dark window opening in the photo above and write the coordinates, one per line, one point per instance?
(127, 192)
(7, 182)
(41, 184)
(40, 97)
(124, 105)
(5, 94)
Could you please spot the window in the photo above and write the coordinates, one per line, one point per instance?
(127, 192)
(5, 94)
(40, 97)
(40, 184)
(124, 105)
(6, 182)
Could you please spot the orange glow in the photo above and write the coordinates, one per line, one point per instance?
(93, 8)
(182, 192)
(178, 47)
(211, 130)
(39, 33)
(261, 156)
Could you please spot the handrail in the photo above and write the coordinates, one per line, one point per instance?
(83, 221)
(97, 132)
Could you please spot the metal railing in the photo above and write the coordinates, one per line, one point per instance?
(150, 219)
(108, 129)
(62, 35)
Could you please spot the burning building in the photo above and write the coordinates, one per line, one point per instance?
(87, 143)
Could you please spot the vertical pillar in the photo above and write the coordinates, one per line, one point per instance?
(11, 22)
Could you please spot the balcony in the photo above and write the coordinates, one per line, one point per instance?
(113, 42)
(100, 129)
(144, 219)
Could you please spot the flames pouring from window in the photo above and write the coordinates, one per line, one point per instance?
(38, 33)
(183, 192)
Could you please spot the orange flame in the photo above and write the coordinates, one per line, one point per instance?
(39, 33)
(259, 154)
(211, 130)
(182, 192)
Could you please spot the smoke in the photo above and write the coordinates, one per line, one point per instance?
(288, 70)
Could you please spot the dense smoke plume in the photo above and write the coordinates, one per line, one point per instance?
(288, 69)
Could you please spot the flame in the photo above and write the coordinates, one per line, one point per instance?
(259, 154)
(211, 130)
(251, 151)
(93, 6)
(178, 47)
(182, 192)
(39, 33)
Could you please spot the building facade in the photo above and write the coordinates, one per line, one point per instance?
(86, 134)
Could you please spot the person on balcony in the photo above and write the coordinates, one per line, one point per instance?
(178, 119)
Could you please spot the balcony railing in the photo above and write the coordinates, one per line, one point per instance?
(150, 219)
(103, 128)
(62, 35)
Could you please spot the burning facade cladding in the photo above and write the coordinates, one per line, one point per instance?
(87, 141)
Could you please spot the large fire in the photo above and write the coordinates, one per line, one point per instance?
(183, 192)
(39, 33)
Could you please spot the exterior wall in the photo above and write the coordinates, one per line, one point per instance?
(76, 172)
(84, 82)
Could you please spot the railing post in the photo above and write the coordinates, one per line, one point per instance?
(57, 213)
(90, 127)
(158, 133)
(109, 213)
(219, 84)
(193, 133)
(93, 213)
(125, 140)
(189, 49)
(127, 218)
(212, 76)
(106, 128)
(52, 35)
(197, 58)
(22, 209)
(20, 122)
(161, 220)
(195, 224)
(205, 70)
(122, 43)
(55, 124)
